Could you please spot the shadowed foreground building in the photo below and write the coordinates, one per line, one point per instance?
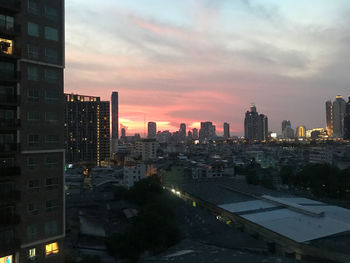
(32, 220)
(87, 137)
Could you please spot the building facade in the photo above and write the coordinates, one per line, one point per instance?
(339, 106)
(300, 132)
(115, 121)
(182, 131)
(147, 149)
(347, 120)
(32, 220)
(87, 130)
(255, 125)
(329, 117)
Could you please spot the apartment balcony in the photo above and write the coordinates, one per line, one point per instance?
(14, 53)
(9, 76)
(13, 6)
(9, 219)
(10, 197)
(10, 30)
(9, 245)
(10, 171)
(9, 147)
(9, 124)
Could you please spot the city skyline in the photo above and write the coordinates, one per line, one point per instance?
(196, 61)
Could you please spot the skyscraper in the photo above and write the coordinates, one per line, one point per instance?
(115, 121)
(206, 131)
(300, 132)
(226, 130)
(31, 131)
(195, 133)
(182, 132)
(347, 121)
(255, 125)
(152, 130)
(329, 118)
(339, 106)
(287, 131)
(87, 129)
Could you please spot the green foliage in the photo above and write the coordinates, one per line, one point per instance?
(153, 229)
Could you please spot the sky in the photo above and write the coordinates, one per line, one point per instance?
(187, 61)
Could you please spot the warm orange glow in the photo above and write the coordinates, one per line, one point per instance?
(51, 248)
(6, 259)
(6, 46)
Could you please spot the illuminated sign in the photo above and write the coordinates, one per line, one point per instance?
(7, 259)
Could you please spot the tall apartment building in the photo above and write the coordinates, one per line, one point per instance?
(226, 130)
(32, 220)
(115, 121)
(152, 130)
(255, 125)
(87, 135)
(335, 113)
(329, 118)
(207, 131)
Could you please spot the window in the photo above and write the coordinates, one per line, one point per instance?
(6, 22)
(51, 183)
(51, 55)
(51, 116)
(6, 259)
(33, 7)
(32, 253)
(33, 185)
(7, 93)
(51, 33)
(33, 29)
(32, 162)
(6, 46)
(51, 249)
(7, 70)
(33, 116)
(32, 51)
(33, 209)
(52, 139)
(33, 94)
(51, 205)
(51, 95)
(32, 232)
(32, 73)
(51, 13)
(51, 75)
(33, 140)
(51, 228)
(51, 161)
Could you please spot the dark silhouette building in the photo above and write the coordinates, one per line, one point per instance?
(87, 135)
(255, 125)
(347, 121)
(152, 130)
(115, 120)
(226, 130)
(32, 221)
(207, 131)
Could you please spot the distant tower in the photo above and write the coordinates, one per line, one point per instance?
(339, 107)
(347, 121)
(152, 130)
(182, 131)
(329, 118)
(300, 132)
(287, 131)
(255, 125)
(115, 121)
(226, 130)
(195, 133)
(123, 131)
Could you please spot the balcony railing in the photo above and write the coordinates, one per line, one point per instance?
(9, 219)
(9, 123)
(10, 29)
(11, 196)
(9, 99)
(10, 171)
(9, 147)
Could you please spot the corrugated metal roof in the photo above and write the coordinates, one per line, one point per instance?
(246, 206)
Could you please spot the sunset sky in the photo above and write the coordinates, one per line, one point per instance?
(188, 61)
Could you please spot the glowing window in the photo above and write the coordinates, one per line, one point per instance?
(7, 259)
(6, 46)
(32, 253)
(51, 249)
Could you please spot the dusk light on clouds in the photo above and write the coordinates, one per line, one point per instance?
(206, 60)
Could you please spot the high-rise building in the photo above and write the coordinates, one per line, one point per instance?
(182, 131)
(32, 63)
(206, 131)
(329, 118)
(300, 132)
(287, 131)
(255, 125)
(123, 132)
(226, 130)
(339, 106)
(195, 133)
(152, 130)
(87, 130)
(347, 121)
(115, 121)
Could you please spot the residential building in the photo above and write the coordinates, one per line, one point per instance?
(87, 130)
(32, 220)
(182, 132)
(195, 133)
(329, 118)
(339, 106)
(152, 130)
(147, 149)
(347, 121)
(226, 130)
(133, 172)
(207, 131)
(115, 121)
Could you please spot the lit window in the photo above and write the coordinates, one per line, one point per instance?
(6, 46)
(32, 253)
(7, 259)
(51, 249)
